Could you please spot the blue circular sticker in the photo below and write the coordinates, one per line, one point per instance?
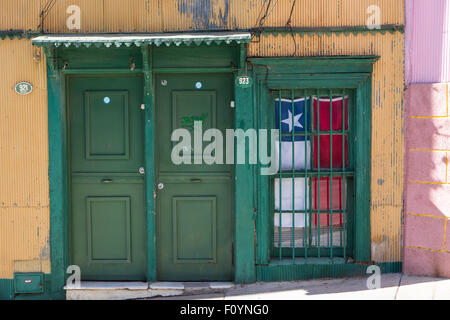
(106, 100)
(198, 85)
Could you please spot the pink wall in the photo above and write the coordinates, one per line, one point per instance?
(427, 138)
(427, 43)
(427, 185)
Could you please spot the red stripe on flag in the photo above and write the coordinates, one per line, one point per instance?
(336, 110)
(325, 202)
(324, 140)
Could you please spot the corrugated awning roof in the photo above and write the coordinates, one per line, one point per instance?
(158, 39)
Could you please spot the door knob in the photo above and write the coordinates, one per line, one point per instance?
(141, 170)
(160, 185)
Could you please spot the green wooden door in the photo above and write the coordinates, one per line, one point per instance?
(194, 201)
(107, 218)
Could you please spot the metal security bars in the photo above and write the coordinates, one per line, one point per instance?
(314, 173)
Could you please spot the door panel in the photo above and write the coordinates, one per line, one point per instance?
(194, 229)
(106, 125)
(108, 229)
(195, 206)
(107, 218)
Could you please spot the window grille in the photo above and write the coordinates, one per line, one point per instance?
(315, 166)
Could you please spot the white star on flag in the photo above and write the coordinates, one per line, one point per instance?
(288, 121)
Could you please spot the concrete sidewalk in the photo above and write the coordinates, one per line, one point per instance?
(394, 286)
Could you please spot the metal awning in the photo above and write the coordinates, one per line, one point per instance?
(158, 39)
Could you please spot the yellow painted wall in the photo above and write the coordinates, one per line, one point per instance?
(24, 189)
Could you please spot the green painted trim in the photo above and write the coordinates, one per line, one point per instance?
(149, 162)
(244, 223)
(320, 31)
(327, 268)
(362, 154)
(88, 71)
(316, 61)
(57, 177)
(265, 31)
(6, 289)
(18, 34)
(194, 70)
(317, 81)
(263, 222)
(314, 65)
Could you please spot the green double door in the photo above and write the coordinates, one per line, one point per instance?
(194, 203)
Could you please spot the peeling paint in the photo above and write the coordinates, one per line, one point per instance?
(205, 14)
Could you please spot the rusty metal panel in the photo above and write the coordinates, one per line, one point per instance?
(387, 121)
(24, 188)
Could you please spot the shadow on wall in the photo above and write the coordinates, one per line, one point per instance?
(427, 185)
(427, 140)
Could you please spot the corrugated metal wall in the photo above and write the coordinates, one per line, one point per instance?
(24, 193)
(24, 203)
(179, 15)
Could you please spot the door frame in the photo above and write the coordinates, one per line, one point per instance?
(245, 210)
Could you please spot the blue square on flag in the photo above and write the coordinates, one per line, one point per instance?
(292, 155)
(291, 121)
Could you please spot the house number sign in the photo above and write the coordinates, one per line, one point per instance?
(244, 81)
(23, 88)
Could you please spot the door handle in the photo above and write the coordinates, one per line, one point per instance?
(196, 180)
(160, 185)
(107, 180)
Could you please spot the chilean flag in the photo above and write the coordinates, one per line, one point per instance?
(296, 121)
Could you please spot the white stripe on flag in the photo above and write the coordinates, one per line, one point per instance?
(286, 194)
(299, 155)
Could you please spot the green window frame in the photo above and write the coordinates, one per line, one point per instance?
(320, 235)
(291, 76)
